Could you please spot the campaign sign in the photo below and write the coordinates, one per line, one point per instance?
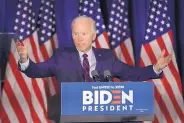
(107, 98)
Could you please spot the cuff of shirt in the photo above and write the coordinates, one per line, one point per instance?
(157, 72)
(24, 65)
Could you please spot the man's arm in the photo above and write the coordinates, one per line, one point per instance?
(129, 73)
(31, 69)
(38, 70)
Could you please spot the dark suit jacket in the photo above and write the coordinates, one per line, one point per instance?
(65, 65)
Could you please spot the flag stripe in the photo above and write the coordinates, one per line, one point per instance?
(44, 52)
(39, 98)
(50, 80)
(166, 37)
(96, 44)
(102, 41)
(169, 105)
(38, 85)
(22, 83)
(172, 81)
(158, 114)
(34, 81)
(43, 55)
(118, 54)
(151, 55)
(171, 65)
(11, 111)
(55, 84)
(129, 47)
(175, 84)
(146, 60)
(106, 39)
(125, 51)
(161, 103)
(19, 114)
(53, 43)
(51, 87)
(3, 116)
(168, 74)
(158, 36)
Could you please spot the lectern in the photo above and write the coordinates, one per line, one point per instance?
(107, 101)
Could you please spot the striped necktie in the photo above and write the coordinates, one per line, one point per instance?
(86, 68)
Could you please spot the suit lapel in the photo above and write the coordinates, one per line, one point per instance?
(76, 61)
(98, 56)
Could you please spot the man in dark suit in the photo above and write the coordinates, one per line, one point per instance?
(76, 64)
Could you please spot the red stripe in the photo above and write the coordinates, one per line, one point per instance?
(141, 63)
(171, 65)
(14, 102)
(175, 73)
(126, 54)
(34, 81)
(97, 44)
(171, 36)
(155, 119)
(44, 52)
(39, 97)
(54, 81)
(53, 43)
(34, 49)
(35, 53)
(162, 106)
(46, 56)
(21, 82)
(106, 39)
(173, 98)
(115, 54)
(3, 116)
(160, 102)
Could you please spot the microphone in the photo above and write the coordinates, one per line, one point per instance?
(108, 76)
(95, 76)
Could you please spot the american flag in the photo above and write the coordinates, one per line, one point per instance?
(91, 8)
(169, 106)
(24, 100)
(119, 31)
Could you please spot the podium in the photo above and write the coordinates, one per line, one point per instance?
(106, 101)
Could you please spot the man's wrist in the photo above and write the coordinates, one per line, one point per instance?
(24, 65)
(156, 69)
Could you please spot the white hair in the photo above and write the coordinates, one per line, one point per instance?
(85, 17)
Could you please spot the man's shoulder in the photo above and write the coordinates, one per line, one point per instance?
(103, 53)
(103, 50)
(69, 50)
(62, 50)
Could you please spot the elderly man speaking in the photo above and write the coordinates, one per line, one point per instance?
(76, 64)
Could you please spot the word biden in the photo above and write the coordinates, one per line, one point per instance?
(107, 100)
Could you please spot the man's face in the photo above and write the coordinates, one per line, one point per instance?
(82, 34)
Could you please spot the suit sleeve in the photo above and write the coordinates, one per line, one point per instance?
(42, 69)
(130, 73)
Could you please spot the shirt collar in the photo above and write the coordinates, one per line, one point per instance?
(89, 53)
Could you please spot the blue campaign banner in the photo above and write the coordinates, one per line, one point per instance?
(107, 98)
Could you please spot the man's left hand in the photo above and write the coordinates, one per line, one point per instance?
(162, 61)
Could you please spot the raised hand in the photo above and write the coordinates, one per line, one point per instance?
(22, 48)
(162, 61)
